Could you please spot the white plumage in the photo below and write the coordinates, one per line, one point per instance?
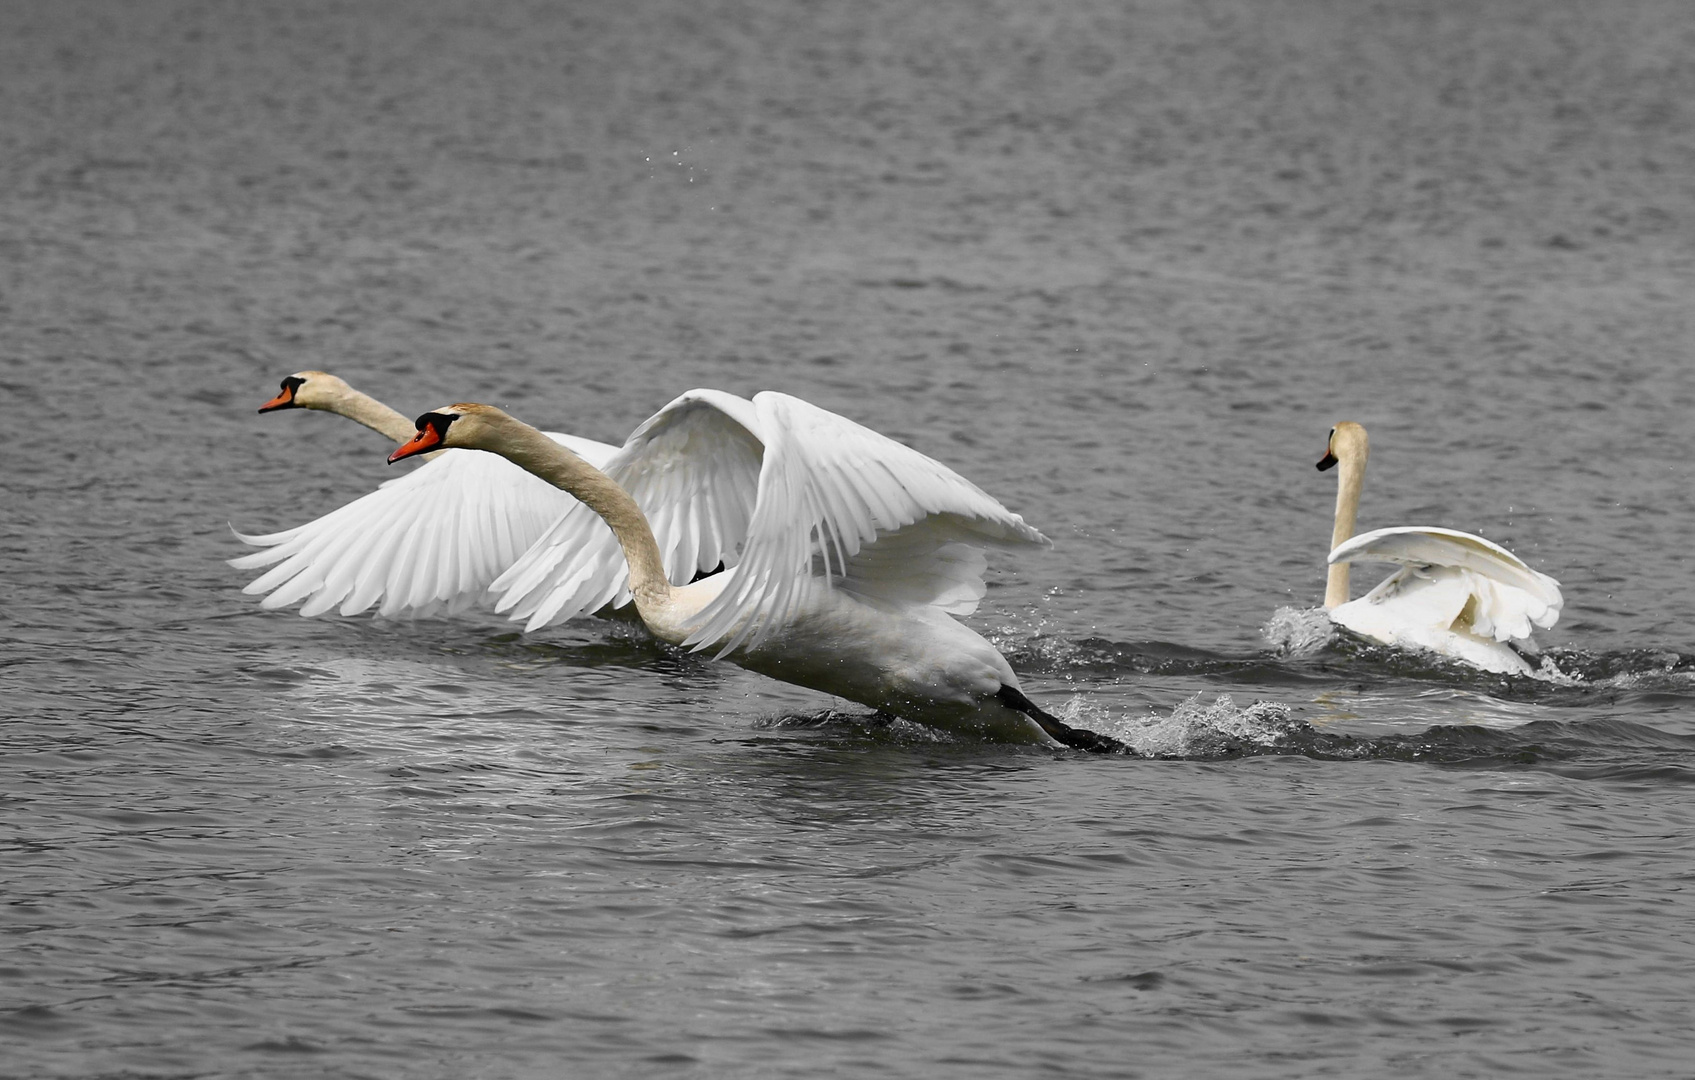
(693, 469)
(430, 542)
(787, 494)
(1456, 594)
(426, 543)
(844, 552)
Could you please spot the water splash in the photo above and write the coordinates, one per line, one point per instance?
(1301, 633)
(1036, 650)
(1298, 631)
(1548, 670)
(1196, 729)
(1646, 670)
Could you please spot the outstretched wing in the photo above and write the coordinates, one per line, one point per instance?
(1502, 598)
(922, 565)
(425, 543)
(693, 468)
(845, 495)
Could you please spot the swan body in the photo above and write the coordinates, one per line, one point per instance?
(785, 491)
(846, 552)
(426, 543)
(916, 663)
(1455, 593)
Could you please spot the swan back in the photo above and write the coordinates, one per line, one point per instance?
(1504, 596)
(1432, 608)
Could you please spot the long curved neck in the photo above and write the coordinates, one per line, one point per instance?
(1350, 476)
(365, 409)
(529, 449)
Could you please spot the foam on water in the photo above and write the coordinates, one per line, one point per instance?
(1195, 728)
(1293, 631)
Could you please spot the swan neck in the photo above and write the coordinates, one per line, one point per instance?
(1350, 478)
(535, 452)
(365, 409)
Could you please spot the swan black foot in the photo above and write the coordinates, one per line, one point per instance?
(1059, 730)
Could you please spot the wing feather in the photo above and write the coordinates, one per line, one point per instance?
(692, 467)
(398, 579)
(1505, 596)
(431, 540)
(829, 487)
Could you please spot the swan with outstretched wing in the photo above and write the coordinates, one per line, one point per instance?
(1455, 593)
(771, 487)
(846, 554)
(430, 542)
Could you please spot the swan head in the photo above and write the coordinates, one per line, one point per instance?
(1348, 442)
(309, 390)
(463, 425)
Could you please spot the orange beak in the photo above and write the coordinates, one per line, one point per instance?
(284, 400)
(426, 440)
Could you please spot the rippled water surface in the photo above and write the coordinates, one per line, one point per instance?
(1122, 265)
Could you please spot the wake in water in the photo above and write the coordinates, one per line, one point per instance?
(1300, 634)
(1351, 698)
(1199, 730)
(1195, 729)
(1347, 685)
(1304, 633)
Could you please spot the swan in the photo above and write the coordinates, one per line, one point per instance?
(856, 551)
(1455, 594)
(429, 542)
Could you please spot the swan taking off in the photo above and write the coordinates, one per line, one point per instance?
(1455, 594)
(851, 553)
(429, 542)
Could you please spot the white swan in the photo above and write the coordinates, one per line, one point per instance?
(425, 543)
(856, 549)
(1455, 594)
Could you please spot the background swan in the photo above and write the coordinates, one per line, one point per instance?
(429, 542)
(1456, 594)
(856, 550)
(323, 392)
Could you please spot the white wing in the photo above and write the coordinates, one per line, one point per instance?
(693, 468)
(1497, 597)
(424, 543)
(829, 488)
(921, 565)
(1428, 608)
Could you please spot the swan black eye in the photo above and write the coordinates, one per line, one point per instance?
(1328, 461)
(437, 421)
(290, 387)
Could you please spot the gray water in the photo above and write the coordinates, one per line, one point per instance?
(1121, 264)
